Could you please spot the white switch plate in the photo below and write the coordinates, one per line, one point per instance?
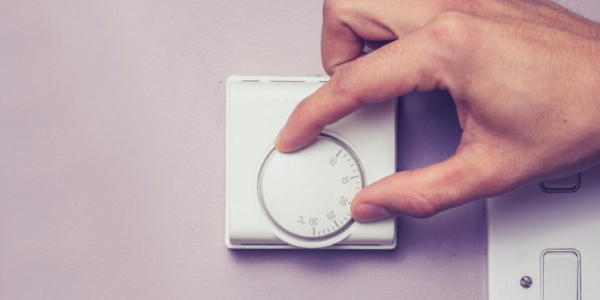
(525, 224)
(257, 107)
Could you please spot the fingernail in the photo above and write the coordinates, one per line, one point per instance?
(370, 212)
(279, 137)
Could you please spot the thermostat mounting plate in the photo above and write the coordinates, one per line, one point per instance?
(302, 199)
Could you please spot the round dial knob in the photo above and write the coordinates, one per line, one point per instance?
(306, 195)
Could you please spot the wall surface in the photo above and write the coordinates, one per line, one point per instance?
(112, 159)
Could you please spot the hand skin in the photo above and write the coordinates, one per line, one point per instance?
(524, 75)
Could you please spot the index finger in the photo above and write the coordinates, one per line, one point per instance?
(394, 69)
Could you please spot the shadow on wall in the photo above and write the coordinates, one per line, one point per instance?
(427, 132)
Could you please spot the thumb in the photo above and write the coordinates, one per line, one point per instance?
(427, 191)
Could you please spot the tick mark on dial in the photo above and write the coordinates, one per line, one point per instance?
(329, 177)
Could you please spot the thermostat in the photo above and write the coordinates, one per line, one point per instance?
(302, 199)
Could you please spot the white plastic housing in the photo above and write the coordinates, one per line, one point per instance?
(552, 236)
(257, 107)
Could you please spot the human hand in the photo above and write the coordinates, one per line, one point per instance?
(524, 75)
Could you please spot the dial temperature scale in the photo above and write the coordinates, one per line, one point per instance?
(306, 195)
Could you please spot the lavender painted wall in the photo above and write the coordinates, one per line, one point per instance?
(112, 159)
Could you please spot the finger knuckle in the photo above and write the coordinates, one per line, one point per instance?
(343, 82)
(451, 31)
(419, 206)
(329, 67)
(336, 7)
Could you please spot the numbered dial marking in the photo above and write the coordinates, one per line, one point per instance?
(306, 195)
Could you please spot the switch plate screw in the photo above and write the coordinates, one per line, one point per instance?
(526, 282)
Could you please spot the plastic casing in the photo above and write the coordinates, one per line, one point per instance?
(257, 107)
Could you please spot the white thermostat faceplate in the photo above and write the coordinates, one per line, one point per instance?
(544, 239)
(302, 199)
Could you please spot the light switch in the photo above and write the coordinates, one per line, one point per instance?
(525, 222)
(568, 184)
(302, 199)
(560, 275)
